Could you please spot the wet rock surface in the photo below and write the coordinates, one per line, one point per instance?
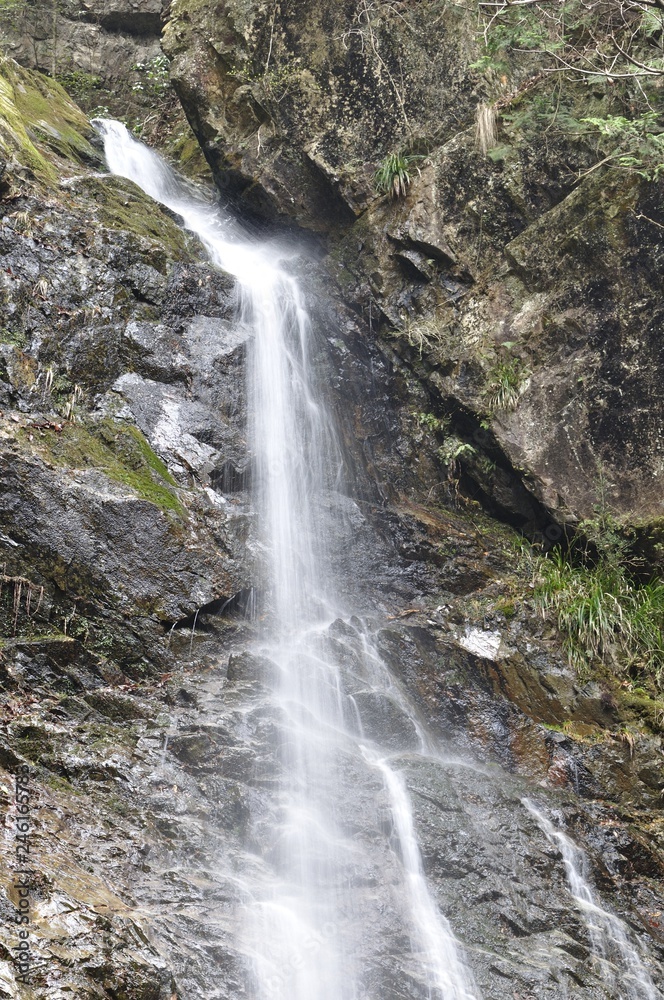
(133, 688)
(154, 821)
(114, 355)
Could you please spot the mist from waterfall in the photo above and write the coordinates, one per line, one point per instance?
(303, 918)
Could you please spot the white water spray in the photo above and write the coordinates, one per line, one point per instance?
(618, 960)
(302, 925)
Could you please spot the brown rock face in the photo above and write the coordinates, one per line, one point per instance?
(126, 544)
(295, 107)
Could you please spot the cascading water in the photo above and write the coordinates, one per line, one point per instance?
(619, 962)
(333, 906)
(299, 928)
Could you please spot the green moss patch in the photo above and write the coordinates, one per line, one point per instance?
(122, 205)
(16, 338)
(37, 117)
(644, 709)
(187, 153)
(119, 451)
(14, 140)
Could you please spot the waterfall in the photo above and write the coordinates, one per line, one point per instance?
(619, 962)
(303, 920)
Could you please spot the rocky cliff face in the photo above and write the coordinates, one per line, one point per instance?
(126, 543)
(106, 304)
(93, 39)
(295, 110)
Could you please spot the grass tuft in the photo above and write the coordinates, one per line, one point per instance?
(507, 382)
(393, 175)
(603, 614)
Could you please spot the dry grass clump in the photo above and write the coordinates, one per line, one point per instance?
(485, 128)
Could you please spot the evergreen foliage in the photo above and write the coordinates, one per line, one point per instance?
(393, 175)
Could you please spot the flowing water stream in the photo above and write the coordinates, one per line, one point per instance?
(620, 964)
(297, 931)
(318, 891)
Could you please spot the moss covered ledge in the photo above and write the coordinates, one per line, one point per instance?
(118, 450)
(40, 126)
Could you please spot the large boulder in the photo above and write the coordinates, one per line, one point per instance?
(562, 304)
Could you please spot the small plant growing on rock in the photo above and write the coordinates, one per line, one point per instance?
(78, 84)
(155, 78)
(430, 334)
(452, 451)
(72, 403)
(393, 175)
(635, 144)
(600, 606)
(507, 382)
(432, 422)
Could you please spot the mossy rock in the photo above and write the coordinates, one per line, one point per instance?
(14, 140)
(121, 204)
(644, 710)
(38, 120)
(118, 450)
(114, 706)
(36, 741)
(188, 155)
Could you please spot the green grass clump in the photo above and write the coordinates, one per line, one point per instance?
(506, 384)
(393, 175)
(603, 614)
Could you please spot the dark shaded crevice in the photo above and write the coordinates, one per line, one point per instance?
(143, 24)
(231, 478)
(510, 502)
(241, 604)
